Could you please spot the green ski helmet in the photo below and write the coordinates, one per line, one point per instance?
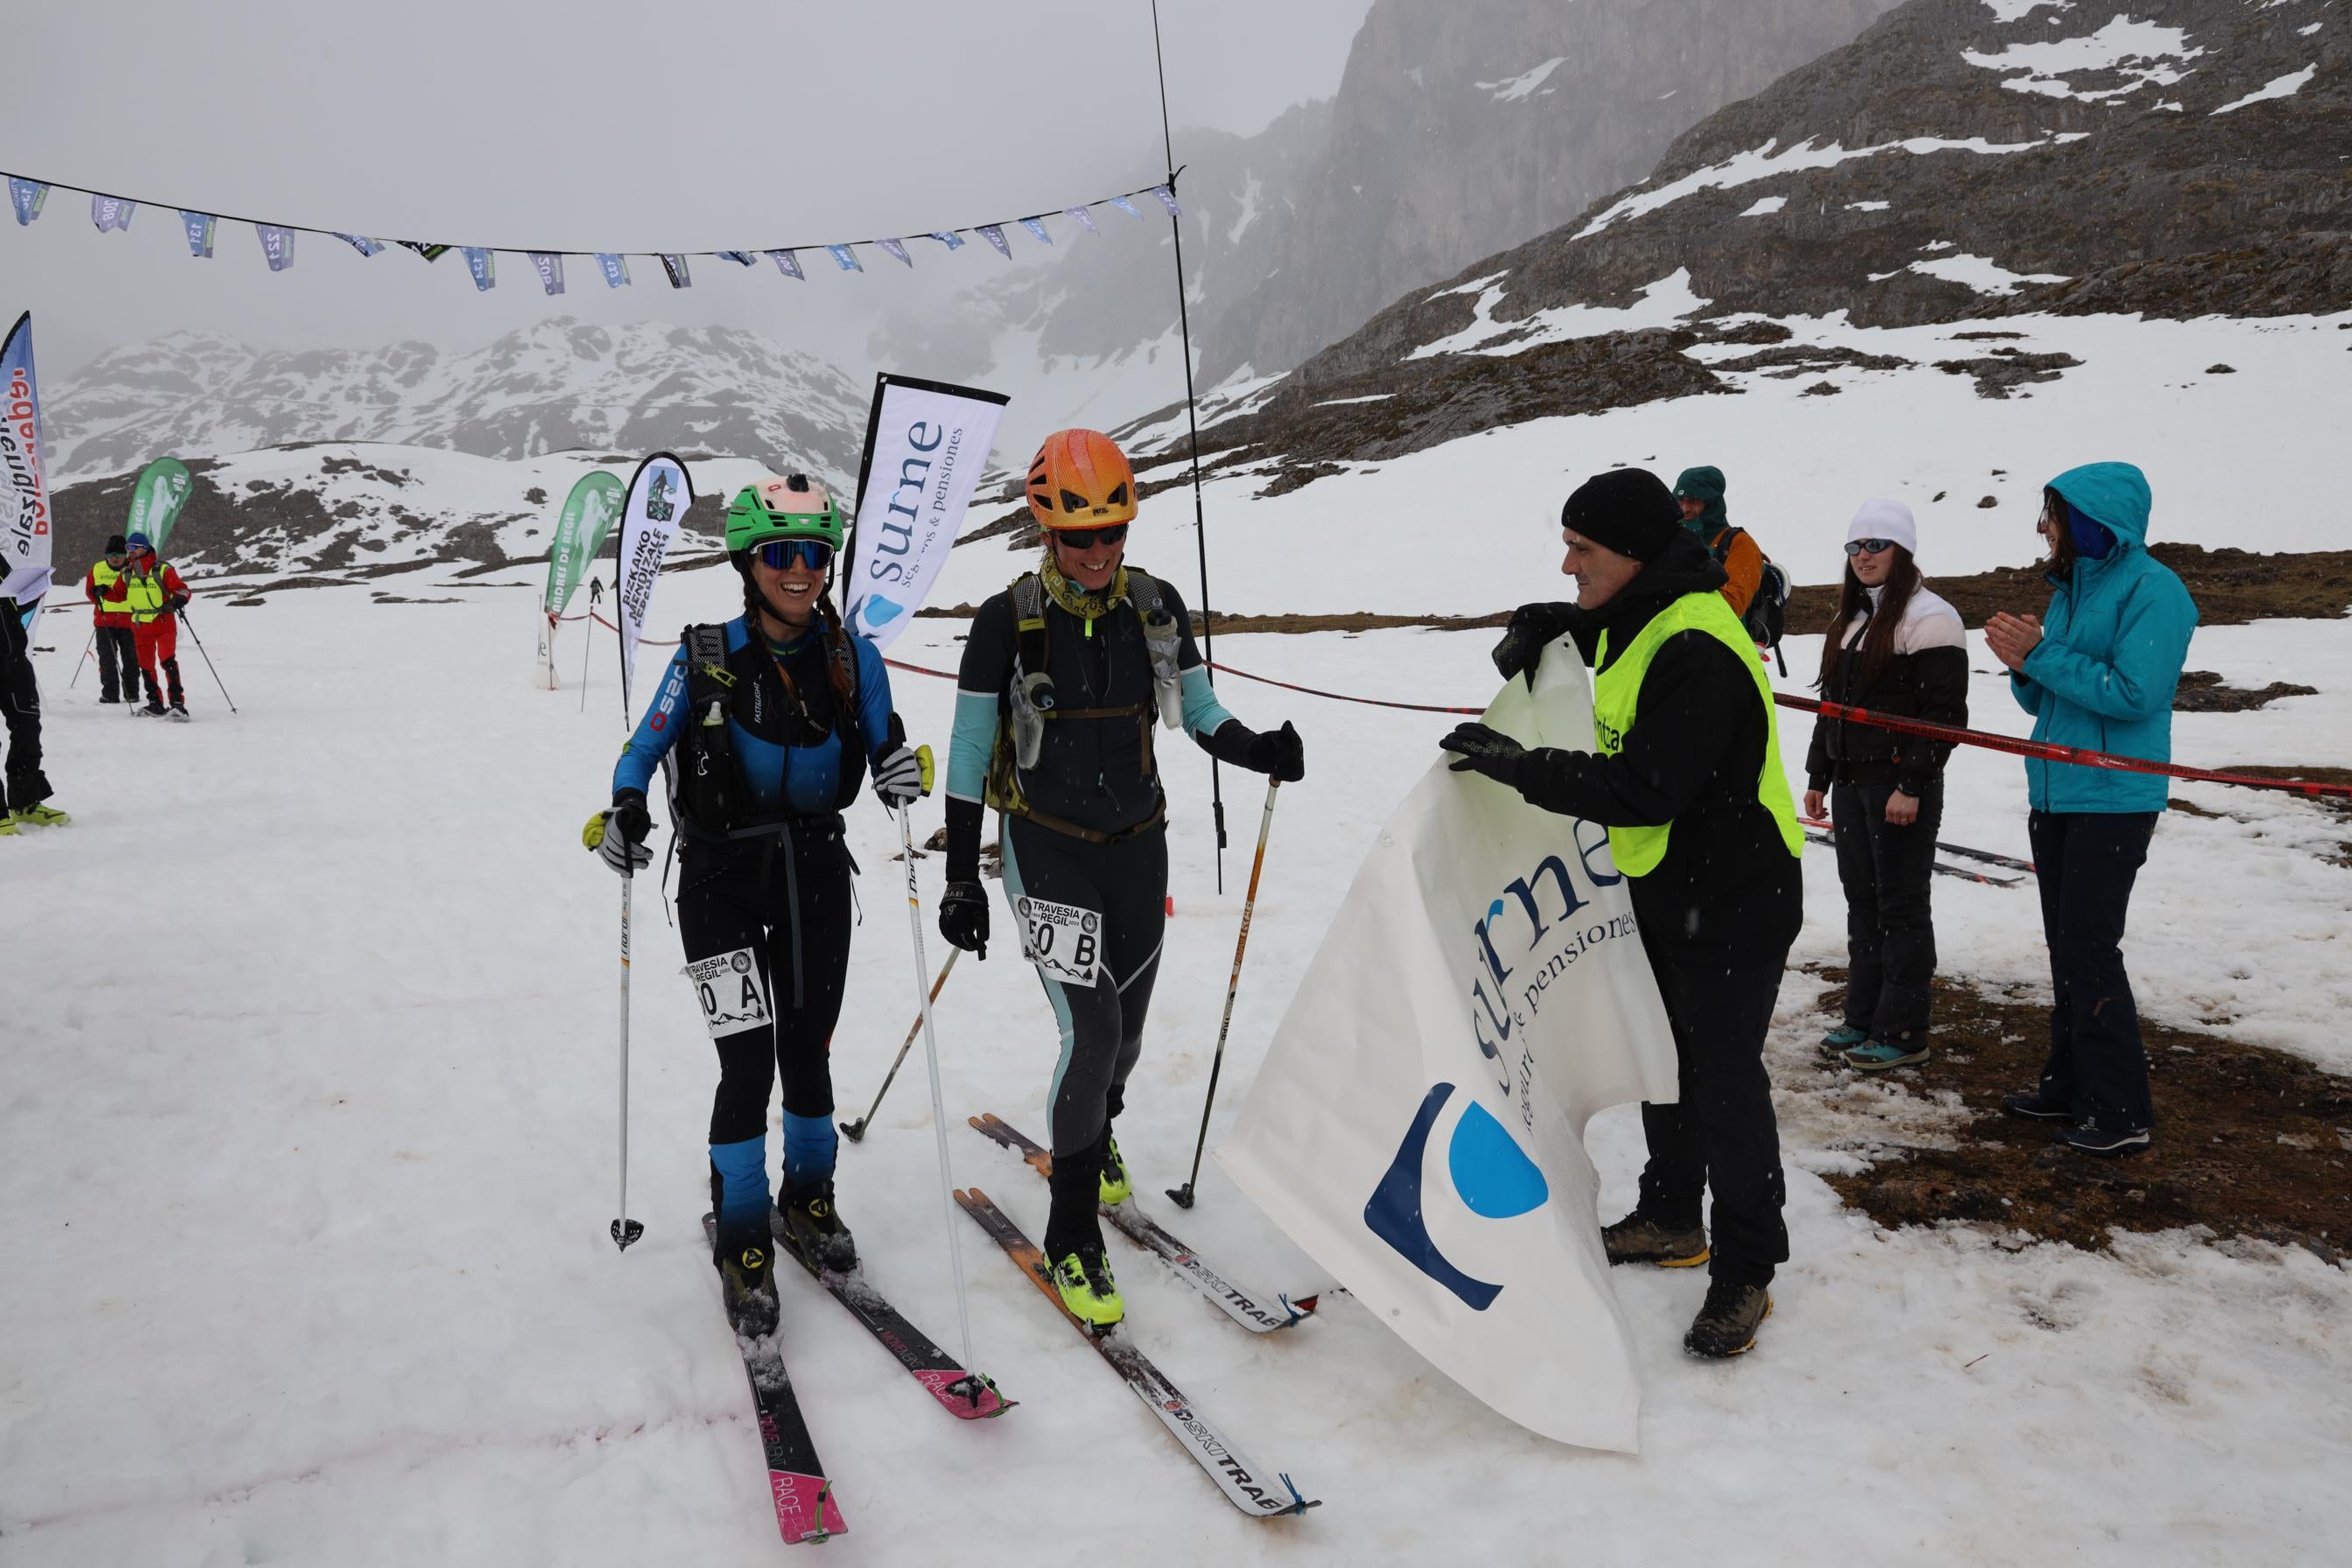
(791, 507)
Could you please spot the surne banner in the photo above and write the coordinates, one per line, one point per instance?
(1418, 1126)
(658, 497)
(926, 443)
(24, 536)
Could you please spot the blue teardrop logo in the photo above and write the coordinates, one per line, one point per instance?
(1490, 1171)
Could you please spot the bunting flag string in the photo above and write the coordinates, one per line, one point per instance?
(110, 214)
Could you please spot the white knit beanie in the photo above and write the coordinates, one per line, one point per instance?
(1884, 519)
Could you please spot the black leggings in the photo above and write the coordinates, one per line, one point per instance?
(1125, 884)
(1890, 928)
(734, 897)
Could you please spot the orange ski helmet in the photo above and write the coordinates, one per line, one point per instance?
(1081, 480)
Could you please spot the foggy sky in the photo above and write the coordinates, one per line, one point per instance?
(594, 124)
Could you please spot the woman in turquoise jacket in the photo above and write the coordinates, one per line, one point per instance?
(2099, 673)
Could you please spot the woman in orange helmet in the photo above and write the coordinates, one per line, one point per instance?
(1063, 676)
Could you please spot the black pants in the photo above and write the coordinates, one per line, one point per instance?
(25, 785)
(1890, 931)
(790, 905)
(1722, 1133)
(117, 664)
(1125, 884)
(2086, 863)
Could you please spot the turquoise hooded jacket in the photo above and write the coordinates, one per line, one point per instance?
(2103, 675)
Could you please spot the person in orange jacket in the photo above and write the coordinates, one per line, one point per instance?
(1701, 492)
(117, 655)
(152, 595)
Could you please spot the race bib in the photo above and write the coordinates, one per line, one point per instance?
(733, 1000)
(1063, 940)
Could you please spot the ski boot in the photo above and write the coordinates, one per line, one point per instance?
(807, 1223)
(38, 817)
(1728, 1320)
(750, 1286)
(1087, 1290)
(8, 827)
(1637, 1239)
(151, 708)
(1112, 1180)
(180, 712)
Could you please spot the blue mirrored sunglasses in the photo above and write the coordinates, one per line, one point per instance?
(778, 554)
(1871, 546)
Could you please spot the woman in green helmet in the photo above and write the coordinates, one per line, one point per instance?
(763, 728)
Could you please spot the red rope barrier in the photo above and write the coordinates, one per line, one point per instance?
(1336, 697)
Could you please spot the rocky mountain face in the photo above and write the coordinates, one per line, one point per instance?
(556, 385)
(1460, 127)
(1960, 159)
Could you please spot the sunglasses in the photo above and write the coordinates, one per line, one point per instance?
(1087, 537)
(1867, 546)
(779, 554)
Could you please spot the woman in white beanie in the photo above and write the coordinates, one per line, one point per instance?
(1895, 649)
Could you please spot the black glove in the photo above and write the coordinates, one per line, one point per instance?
(179, 602)
(1279, 754)
(1485, 749)
(963, 916)
(1533, 628)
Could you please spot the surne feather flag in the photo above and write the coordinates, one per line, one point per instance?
(926, 443)
(1418, 1126)
(658, 497)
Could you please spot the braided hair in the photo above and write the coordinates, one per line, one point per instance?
(827, 620)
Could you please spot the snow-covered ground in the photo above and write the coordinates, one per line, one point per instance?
(308, 1114)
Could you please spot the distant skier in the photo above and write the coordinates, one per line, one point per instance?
(1063, 676)
(117, 648)
(151, 592)
(775, 716)
(24, 787)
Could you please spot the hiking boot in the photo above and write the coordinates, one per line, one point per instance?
(1727, 1322)
(1088, 1291)
(2030, 1103)
(2088, 1137)
(38, 817)
(1844, 1039)
(811, 1228)
(749, 1285)
(1112, 1179)
(1639, 1239)
(1880, 1056)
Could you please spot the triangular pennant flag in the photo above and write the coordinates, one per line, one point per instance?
(27, 196)
(200, 227)
(1083, 217)
(749, 259)
(430, 252)
(1168, 199)
(845, 258)
(674, 263)
(277, 244)
(1036, 227)
(111, 212)
(994, 234)
(788, 264)
(616, 268)
(550, 269)
(362, 244)
(897, 247)
(484, 267)
(1123, 205)
(948, 238)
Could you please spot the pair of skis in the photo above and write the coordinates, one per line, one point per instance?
(2025, 868)
(1247, 1486)
(805, 1507)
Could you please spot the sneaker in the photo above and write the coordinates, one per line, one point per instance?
(1844, 1039)
(1112, 1177)
(2089, 1138)
(2029, 1103)
(38, 817)
(1639, 1239)
(810, 1225)
(1088, 1292)
(751, 1290)
(1879, 1056)
(1726, 1322)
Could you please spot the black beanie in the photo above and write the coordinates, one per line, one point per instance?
(1629, 511)
(115, 546)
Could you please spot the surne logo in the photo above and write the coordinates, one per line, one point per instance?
(1493, 1015)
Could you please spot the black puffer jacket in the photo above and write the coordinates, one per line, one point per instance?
(1692, 758)
(1926, 677)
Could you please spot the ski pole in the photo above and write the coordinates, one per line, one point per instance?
(855, 1131)
(1183, 1194)
(974, 1381)
(587, 636)
(208, 660)
(624, 1229)
(88, 643)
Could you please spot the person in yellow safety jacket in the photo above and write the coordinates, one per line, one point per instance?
(151, 591)
(118, 650)
(1687, 778)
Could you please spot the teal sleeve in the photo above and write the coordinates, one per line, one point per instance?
(2137, 680)
(971, 743)
(1203, 712)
